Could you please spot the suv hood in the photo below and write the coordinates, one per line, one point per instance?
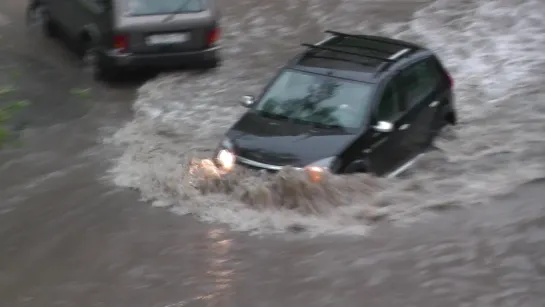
(279, 142)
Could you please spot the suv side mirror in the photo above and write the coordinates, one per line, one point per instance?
(384, 127)
(247, 101)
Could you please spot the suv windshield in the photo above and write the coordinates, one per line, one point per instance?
(315, 99)
(162, 7)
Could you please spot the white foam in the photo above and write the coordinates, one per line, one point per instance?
(493, 48)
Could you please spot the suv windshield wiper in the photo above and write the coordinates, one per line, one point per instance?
(177, 11)
(326, 126)
(300, 121)
(273, 115)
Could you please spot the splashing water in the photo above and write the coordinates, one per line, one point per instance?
(493, 49)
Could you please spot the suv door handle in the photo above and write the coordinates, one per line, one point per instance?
(404, 127)
(434, 104)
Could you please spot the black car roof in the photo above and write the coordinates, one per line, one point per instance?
(356, 57)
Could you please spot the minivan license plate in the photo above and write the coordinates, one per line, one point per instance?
(174, 38)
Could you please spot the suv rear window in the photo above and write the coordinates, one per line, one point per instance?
(162, 7)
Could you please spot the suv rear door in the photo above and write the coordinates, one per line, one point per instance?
(420, 89)
(387, 150)
(145, 27)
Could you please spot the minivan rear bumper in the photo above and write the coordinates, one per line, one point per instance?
(159, 60)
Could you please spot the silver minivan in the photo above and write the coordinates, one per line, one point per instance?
(117, 34)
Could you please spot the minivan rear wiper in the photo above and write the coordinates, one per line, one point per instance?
(177, 11)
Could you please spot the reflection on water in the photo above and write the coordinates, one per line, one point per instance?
(218, 269)
(217, 289)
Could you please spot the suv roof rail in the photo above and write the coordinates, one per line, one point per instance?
(319, 47)
(386, 60)
(362, 63)
(383, 66)
(372, 38)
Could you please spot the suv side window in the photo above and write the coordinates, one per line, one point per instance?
(389, 106)
(419, 81)
(98, 6)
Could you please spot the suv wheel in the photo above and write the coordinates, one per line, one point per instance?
(434, 130)
(96, 68)
(438, 124)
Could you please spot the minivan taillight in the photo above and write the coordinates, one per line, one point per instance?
(121, 43)
(213, 36)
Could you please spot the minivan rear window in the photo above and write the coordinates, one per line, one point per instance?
(162, 7)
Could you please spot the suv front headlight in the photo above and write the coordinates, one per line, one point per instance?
(324, 164)
(317, 169)
(225, 157)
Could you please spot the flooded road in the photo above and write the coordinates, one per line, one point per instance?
(496, 59)
(70, 237)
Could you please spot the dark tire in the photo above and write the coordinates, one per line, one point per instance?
(433, 132)
(451, 118)
(440, 122)
(98, 70)
(211, 63)
(39, 17)
(355, 168)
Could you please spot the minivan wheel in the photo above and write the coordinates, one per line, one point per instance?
(211, 63)
(96, 68)
(39, 17)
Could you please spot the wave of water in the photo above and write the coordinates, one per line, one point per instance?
(494, 49)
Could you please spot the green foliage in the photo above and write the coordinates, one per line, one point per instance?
(6, 114)
(7, 89)
(81, 92)
(9, 106)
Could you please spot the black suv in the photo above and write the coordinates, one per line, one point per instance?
(350, 103)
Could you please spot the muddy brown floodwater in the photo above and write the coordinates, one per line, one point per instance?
(69, 237)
